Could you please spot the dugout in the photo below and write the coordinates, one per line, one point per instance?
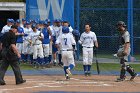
(15, 10)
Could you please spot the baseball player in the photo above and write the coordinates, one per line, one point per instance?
(7, 27)
(57, 30)
(66, 23)
(68, 45)
(88, 39)
(12, 21)
(46, 41)
(23, 23)
(27, 48)
(50, 37)
(36, 38)
(124, 51)
(19, 42)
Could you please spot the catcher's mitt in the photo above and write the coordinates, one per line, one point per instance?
(121, 54)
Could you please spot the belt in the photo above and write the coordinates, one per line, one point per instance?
(36, 44)
(87, 47)
(68, 50)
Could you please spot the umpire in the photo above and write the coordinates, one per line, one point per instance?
(10, 56)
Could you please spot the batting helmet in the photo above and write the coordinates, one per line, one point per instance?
(65, 29)
(121, 23)
(76, 33)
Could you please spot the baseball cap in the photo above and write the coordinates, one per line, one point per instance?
(23, 19)
(17, 21)
(45, 22)
(27, 23)
(8, 20)
(33, 25)
(48, 20)
(56, 20)
(12, 21)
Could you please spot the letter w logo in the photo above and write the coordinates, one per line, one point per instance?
(44, 9)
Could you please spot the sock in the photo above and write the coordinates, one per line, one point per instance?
(38, 60)
(89, 67)
(85, 68)
(71, 66)
(59, 57)
(55, 61)
(22, 56)
(31, 58)
(34, 61)
(50, 58)
(41, 61)
(65, 67)
(45, 60)
(25, 57)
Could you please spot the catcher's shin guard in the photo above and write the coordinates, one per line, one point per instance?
(122, 72)
(130, 70)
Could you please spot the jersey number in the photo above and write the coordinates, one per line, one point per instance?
(65, 40)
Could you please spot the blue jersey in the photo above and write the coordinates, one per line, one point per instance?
(20, 38)
(46, 39)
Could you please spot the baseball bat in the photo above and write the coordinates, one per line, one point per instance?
(97, 63)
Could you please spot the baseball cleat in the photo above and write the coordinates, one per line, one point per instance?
(120, 79)
(86, 74)
(2, 83)
(68, 71)
(89, 74)
(54, 63)
(132, 77)
(60, 64)
(67, 78)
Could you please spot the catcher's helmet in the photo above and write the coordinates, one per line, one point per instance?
(65, 29)
(121, 23)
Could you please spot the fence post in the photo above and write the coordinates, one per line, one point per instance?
(78, 23)
(130, 25)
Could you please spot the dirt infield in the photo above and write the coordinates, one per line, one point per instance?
(78, 83)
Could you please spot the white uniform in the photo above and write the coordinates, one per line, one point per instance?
(50, 45)
(87, 40)
(37, 44)
(5, 29)
(57, 31)
(67, 40)
(27, 48)
(70, 29)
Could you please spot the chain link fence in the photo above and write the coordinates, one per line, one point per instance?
(103, 16)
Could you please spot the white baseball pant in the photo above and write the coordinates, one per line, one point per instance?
(87, 56)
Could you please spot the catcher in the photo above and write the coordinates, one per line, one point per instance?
(124, 51)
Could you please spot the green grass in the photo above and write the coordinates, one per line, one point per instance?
(24, 67)
(79, 67)
(107, 67)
